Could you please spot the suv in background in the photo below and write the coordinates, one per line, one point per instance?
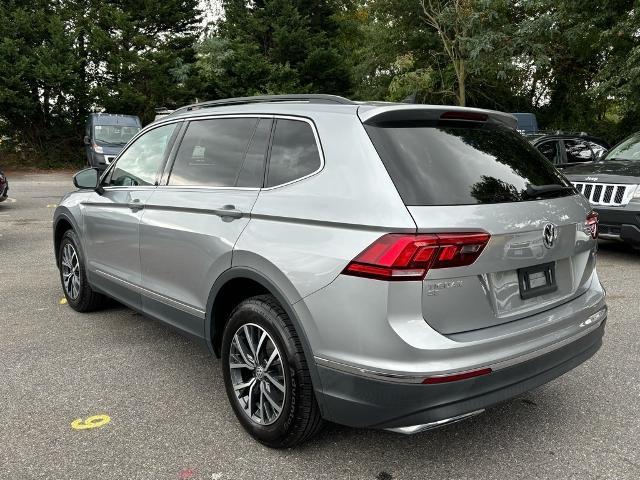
(568, 149)
(376, 265)
(612, 186)
(106, 135)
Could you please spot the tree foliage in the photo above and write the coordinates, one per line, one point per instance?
(574, 63)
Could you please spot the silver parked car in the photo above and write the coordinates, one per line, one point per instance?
(376, 265)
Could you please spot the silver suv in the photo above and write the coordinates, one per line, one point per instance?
(376, 265)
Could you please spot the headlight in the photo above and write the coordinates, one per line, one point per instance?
(636, 194)
(97, 149)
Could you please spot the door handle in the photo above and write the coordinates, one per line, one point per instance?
(135, 204)
(229, 211)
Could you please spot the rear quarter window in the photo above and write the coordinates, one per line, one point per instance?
(460, 163)
(294, 152)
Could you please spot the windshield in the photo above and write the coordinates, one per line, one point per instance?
(449, 163)
(113, 134)
(628, 149)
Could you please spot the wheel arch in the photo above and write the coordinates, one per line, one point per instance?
(257, 284)
(62, 223)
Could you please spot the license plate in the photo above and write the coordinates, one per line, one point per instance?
(537, 280)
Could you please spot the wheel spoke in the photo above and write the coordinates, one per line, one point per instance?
(274, 405)
(260, 342)
(274, 382)
(262, 419)
(240, 386)
(237, 343)
(249, 339)
(274, 354)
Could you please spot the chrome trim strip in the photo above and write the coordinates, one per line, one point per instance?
(430, 426)
(155, 296)
(591, 324)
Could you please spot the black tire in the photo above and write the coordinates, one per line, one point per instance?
(300, 417)
(87, 299)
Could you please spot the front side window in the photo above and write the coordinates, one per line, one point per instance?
(140, 163)
(294, 152)
(578, 151)
(213, 152)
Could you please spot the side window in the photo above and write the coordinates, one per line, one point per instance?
(578, 151)
(212, 152)
(294, 152)
(551, 151)
(140, 163)
(598, 150)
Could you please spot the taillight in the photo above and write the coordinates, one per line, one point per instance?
(592, 224)
(398, 256)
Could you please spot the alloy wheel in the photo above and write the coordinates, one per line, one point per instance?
(257, 374)
(70, 271)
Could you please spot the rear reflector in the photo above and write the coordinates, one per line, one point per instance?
(472, 116)
(592, 224)
(456, 376)
(398, 256)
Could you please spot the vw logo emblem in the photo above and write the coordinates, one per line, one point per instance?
(549, 235)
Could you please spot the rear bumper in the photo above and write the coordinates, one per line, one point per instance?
(361, 401)
(622, 223)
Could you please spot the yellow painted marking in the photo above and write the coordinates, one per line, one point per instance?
(94, 421)
(52, 205)
(63, 301)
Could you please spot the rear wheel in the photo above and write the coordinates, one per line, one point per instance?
(79, 294)
(266, 375)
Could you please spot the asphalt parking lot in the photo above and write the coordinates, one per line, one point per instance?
(170, 417)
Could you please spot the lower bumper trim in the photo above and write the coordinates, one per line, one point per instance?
(432, 425)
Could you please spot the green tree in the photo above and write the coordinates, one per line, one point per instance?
(276, 46)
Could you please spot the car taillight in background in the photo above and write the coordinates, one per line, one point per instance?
(398, 256)
(592, 224)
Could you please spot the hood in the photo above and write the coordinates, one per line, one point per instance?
(611, 171)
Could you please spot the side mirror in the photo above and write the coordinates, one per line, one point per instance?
(87, 179)
(599, 155)
(87, 140)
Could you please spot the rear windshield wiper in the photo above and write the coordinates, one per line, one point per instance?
(534, 191)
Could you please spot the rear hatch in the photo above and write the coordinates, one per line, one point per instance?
(469, 171)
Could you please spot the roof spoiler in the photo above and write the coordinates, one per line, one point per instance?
(392, 113)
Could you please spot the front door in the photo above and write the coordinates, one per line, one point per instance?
(111, 219)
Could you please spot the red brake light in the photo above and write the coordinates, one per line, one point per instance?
(462, 115)
(408, 257)
(592, 224)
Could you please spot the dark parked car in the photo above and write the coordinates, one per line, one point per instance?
(567, 149)
(106, 135)
(611, 186)
(4, 187)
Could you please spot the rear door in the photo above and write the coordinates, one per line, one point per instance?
(471, 176)
(111, 219)
(191, 223)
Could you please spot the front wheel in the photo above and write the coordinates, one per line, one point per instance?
(266, 375)
(79, 294)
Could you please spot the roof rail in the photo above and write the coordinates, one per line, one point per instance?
(310, 98)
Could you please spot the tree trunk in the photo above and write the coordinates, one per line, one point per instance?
(462, 79)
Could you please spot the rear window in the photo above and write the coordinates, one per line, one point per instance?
(447, 163)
